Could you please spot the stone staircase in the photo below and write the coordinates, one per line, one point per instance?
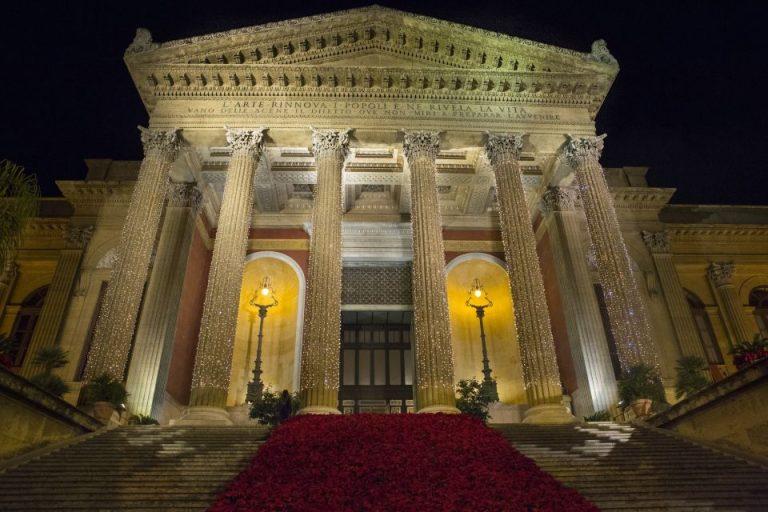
(623, 467)
(133, 468)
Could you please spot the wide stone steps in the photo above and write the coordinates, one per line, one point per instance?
(133, 468)
(622, 467)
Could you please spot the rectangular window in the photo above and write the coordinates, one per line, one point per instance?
(364, 368)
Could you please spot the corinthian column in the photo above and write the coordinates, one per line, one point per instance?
(114, 328)
(7, 280)
(679, 310)
(434, 354)
(148, 370)
(626, 310)
(589, 349)
(213, 360)
(721, 276)
(322, 311)
(537, 346)
(57, 299)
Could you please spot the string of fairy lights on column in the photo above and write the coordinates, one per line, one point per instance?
(626, 310)
(322, 313)
(434, 354)
(213, 360)
(117, 319)
(537, 345)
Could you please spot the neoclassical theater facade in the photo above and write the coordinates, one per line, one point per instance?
(372, 164)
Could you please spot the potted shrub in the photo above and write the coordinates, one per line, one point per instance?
(50, 358)
(273, 408)
(748, 352)
(105, 394)
(640, 387)
(690, 376)
(472, 398)
(142, 419)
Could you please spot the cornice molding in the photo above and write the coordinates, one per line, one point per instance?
(641, 198)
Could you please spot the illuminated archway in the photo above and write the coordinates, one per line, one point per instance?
(281, 348)
(503, 349)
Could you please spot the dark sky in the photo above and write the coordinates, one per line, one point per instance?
(689, 101)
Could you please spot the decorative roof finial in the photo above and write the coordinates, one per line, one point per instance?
(142, 42)
(600, 53)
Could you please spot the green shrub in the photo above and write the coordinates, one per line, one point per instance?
(105, 388)
(598, 416)
(472, 398)
(267, 410)
(51, 383)
(142, 419)
(690, 376)
(641, 381)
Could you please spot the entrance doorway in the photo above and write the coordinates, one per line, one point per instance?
(376, 362)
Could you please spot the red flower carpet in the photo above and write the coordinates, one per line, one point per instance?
(393, 463)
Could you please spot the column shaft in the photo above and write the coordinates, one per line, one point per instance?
(589, 347)
(626, 310)
(57, 299)
(679, 311)
(213, 360)
(721, 277)
(148, 369)
(537, 346)
(7, 281)
(322, 311)
(114, 329)
(434, 353)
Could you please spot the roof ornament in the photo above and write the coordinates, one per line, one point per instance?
(600, 53)
(142, 42)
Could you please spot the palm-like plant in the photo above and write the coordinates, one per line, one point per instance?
(7, 350)
(50, 358)
(690, 376)
(19, 195)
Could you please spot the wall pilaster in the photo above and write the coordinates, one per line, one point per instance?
(721, 276)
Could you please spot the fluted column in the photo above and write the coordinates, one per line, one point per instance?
(57, 299)
(322, 311)
(721, 276)
(213, 360)
(537, 346)
(679, 310)
(7, 280)
(589, 348)
(117, 320)
(626, 310)
(434, 353)
(148, 369)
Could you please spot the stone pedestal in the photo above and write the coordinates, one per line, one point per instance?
(537, 346)
(213, 360)
(151, 356)
(114, 328)
(434, 353)
(322, 313)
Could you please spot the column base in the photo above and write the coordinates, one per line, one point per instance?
(318, 409)
(548, 414)
(207, 416)
(439, 409)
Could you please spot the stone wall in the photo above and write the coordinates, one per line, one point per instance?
(33, 418)
(731, 414)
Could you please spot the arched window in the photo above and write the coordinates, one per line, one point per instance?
(25, 322)
(758, 299)
(704, 326)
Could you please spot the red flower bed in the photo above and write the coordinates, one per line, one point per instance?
(393, 463)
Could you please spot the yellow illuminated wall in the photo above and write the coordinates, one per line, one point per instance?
(501, 336)
(279, 329)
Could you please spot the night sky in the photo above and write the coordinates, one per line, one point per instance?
(689, 101)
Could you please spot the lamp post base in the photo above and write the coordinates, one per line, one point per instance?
(548, 414)
(209, 416)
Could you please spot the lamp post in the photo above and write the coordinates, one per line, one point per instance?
(262, 299)
(479, 300)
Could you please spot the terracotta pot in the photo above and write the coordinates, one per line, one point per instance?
(642, 407)
(102, 411)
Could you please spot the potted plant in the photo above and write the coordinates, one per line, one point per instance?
(472, 398)
(748, 352)
(640, 387)
(273, 408)
(690, 376)
(105, 394)
(50, 358)
(142, 419)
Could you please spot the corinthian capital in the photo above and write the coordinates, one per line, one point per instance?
(657, 242)
(579, 150)
(184, 195)
(503, 147)
(559, 199)
(324, 141)
(245, 139)
(78, 236)
(165, 141)
(721, 272)
(421, 144)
